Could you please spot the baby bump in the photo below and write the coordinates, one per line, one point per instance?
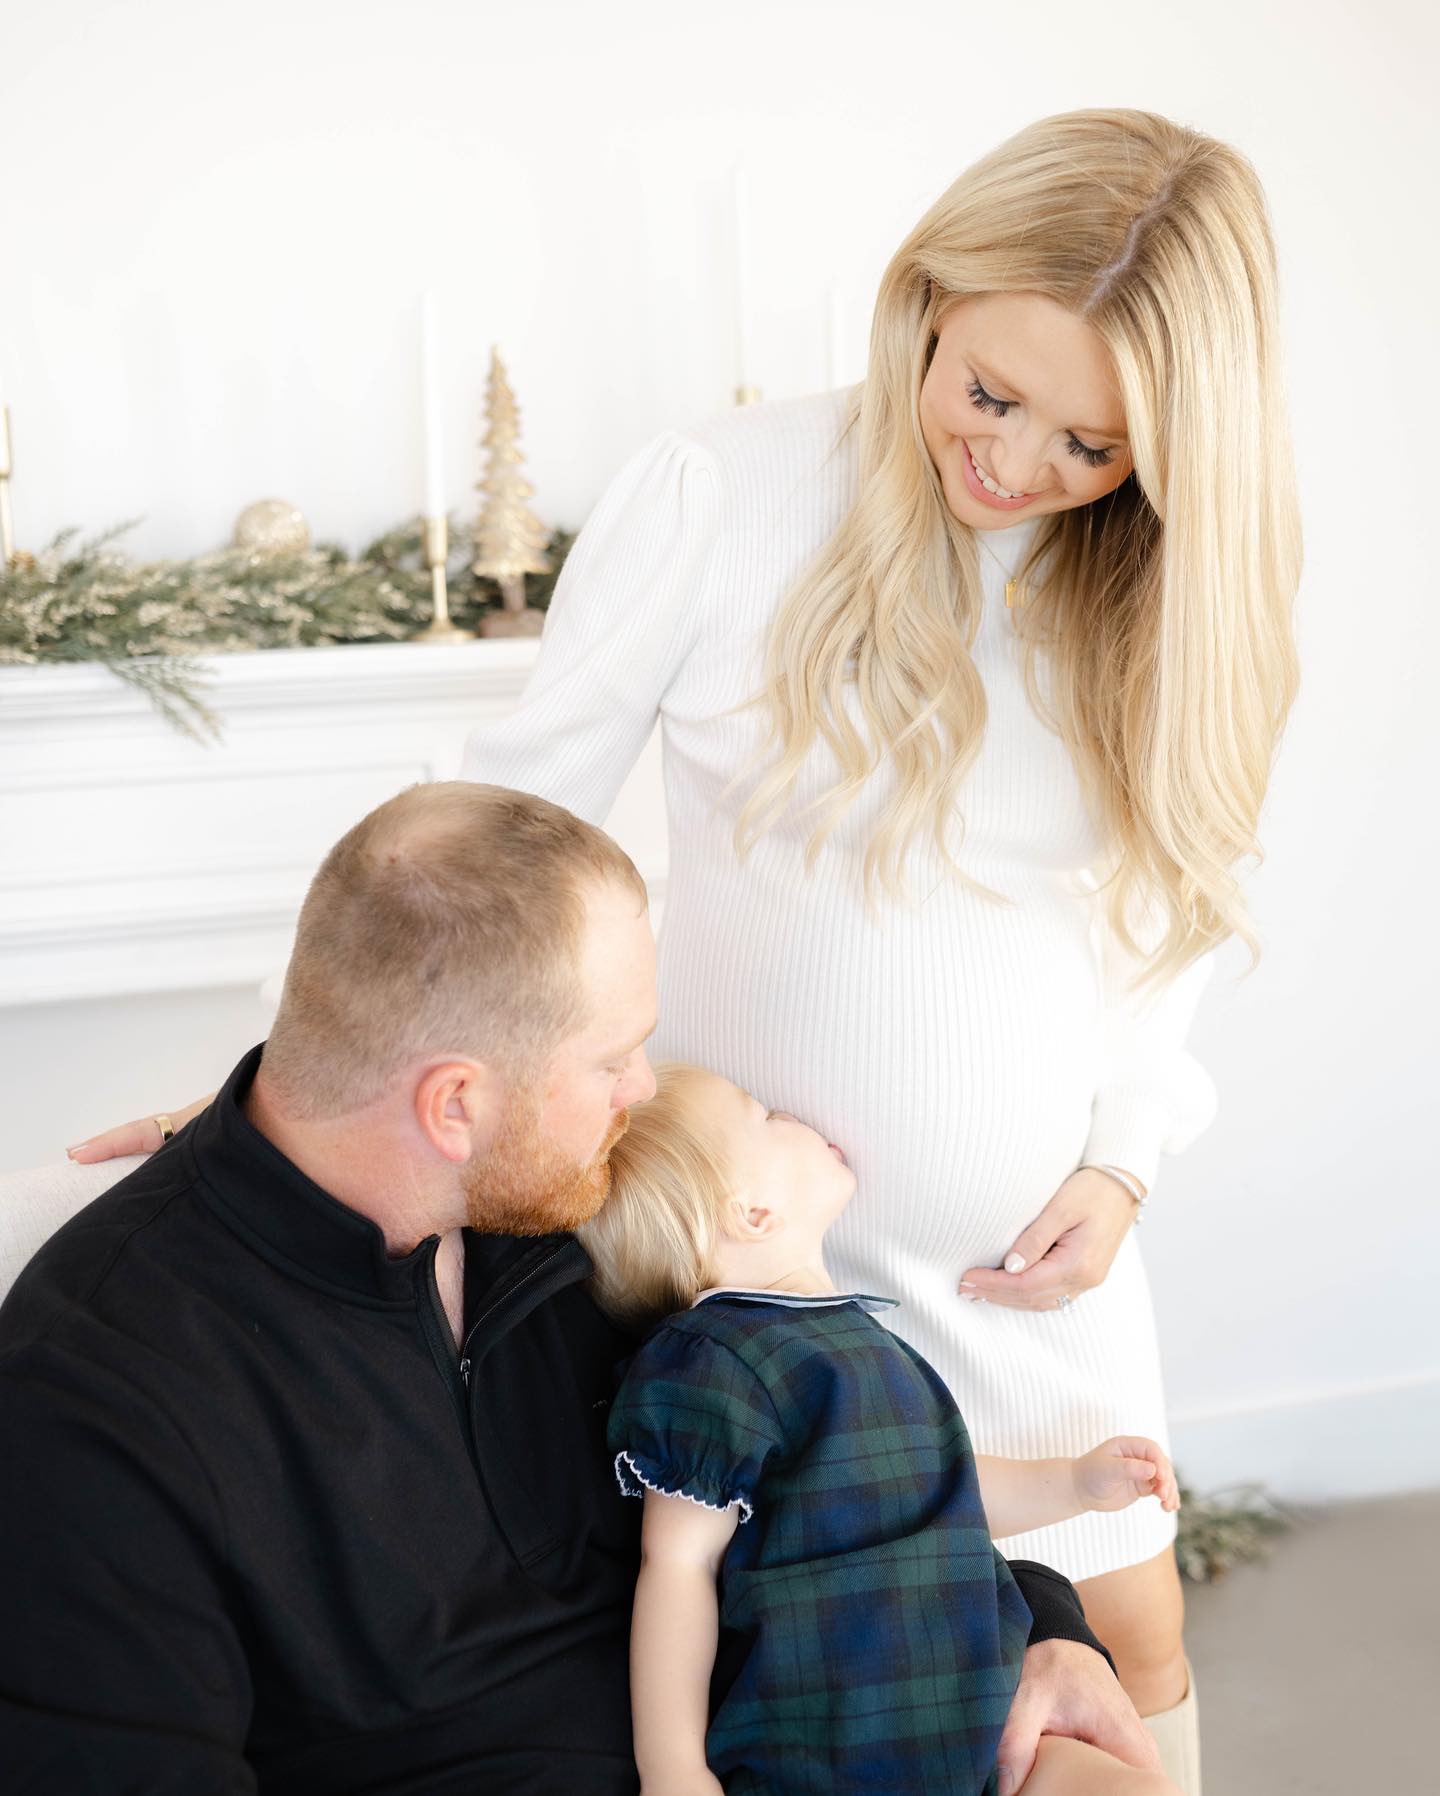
(951, 1047)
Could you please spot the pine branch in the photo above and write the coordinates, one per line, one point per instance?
(147, 622)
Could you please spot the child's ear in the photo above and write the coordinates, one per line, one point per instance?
(747, 1221)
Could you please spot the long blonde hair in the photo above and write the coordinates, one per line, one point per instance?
(1165, 607)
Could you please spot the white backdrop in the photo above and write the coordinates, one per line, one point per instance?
(215, 226)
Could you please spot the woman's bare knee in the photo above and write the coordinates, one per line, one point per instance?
(1073, 1768)
(1139, 1612)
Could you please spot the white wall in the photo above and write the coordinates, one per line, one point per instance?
(214, 225)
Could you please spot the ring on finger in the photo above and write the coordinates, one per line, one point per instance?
(1064, 1300)
(165, 1126)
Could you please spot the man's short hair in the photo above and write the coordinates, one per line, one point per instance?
(448, 921)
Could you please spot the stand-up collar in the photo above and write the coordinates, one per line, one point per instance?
(285, 1216)
(298, 1226)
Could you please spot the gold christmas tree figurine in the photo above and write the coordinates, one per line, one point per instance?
(509, 538)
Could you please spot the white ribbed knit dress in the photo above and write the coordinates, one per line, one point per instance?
(966, 1056)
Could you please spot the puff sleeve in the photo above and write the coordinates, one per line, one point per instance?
(1152, 1096)
(692, 1419)
(624, 614)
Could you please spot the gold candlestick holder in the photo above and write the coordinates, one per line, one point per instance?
(435, 538)
(7, 523)
(747, 395)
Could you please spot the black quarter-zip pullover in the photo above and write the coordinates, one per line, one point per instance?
(266, 1536)
(263, 1529)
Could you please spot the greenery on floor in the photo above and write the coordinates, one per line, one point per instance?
(1225, 1528)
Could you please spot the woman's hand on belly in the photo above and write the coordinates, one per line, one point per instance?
(1067, 1249)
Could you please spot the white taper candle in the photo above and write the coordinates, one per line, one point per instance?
(740, 212)
(431, 414)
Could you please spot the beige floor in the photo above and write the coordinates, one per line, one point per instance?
(1318, 1670)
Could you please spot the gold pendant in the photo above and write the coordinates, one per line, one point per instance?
(1010, 592)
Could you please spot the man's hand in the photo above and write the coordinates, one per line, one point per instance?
(1068, 1689)
(139, 1137)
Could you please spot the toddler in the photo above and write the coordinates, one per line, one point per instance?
(819, 1607)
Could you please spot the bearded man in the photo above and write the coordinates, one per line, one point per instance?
(303, 1422)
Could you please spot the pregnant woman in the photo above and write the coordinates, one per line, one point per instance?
(970, 682)
(1063, 488)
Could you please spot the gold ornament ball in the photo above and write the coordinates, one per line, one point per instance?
(272, 527)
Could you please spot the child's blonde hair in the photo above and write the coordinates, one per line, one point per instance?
(653, 1242)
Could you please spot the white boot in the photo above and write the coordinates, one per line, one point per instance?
(1177, 1733)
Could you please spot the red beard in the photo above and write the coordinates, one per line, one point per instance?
(524, 1185)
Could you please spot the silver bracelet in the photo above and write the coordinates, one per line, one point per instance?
(1130, 1184)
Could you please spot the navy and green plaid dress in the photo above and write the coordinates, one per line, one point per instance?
(870, 1634)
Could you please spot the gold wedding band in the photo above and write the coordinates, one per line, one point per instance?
(167, 1128)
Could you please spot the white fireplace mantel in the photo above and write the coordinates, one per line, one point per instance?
(135, 860)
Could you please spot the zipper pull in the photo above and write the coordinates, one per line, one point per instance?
(465, 1373)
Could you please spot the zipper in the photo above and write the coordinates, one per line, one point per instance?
(531, 1288)
(435, 1325)
(505, 1297)
(437, 1331)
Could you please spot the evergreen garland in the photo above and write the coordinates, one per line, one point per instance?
(149, 622)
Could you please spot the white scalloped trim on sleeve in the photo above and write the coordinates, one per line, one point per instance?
(746, 1508)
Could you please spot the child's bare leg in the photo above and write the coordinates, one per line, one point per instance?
(1073, 1768)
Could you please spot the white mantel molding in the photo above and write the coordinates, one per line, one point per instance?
(61, 696)
(135, 860)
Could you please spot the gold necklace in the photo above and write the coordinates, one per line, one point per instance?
(1010, 583)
